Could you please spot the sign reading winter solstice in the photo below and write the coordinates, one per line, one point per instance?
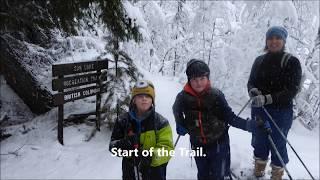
(69, 83)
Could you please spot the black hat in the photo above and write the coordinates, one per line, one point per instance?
(197, 68)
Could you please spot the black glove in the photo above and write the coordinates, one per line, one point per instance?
(254, 92)
(249, 125)
(144, 163)
(265, 125)
(123, 144)
(134, 140)
(127, 143)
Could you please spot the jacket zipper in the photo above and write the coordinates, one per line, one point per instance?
(204, 139)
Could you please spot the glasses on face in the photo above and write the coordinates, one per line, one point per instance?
(143, 84)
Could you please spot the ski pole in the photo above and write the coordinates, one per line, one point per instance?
(284, 137)
(136, 170)
(244, 106)
(279, 156)
(175, 144)
(268, 131)
(234, 175)
(135, 160)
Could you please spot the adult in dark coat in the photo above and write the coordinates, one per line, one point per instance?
(274, 82)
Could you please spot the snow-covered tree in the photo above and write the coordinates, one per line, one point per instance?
(229, 35)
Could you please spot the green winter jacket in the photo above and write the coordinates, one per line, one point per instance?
(154, 131)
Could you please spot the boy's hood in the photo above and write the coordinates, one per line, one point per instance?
(134, 116)
(137, 121)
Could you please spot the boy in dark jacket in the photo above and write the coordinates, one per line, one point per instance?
(203, 113)
(142, 129)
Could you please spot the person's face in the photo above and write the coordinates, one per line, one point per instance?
(275, 44)
(198, 84)
(143, 102)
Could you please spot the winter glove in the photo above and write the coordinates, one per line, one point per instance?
(123, 144)
(144, 163)
(265, 125)
(254, 92)
(181, 130)
(134, 140)
(249, 125)
(261, 100)
(126, 143)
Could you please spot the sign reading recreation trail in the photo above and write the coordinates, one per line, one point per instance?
(68, 82)
(77, 79)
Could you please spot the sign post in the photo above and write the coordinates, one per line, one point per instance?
(75, 78)
(98, 102)
(60, 117)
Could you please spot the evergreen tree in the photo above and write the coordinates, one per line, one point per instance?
(36, 23)
(26, 16)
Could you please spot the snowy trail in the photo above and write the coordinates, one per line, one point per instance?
(43, 157)
(166, 90)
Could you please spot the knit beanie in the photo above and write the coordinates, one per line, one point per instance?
(143, 87)
(197, 68)
(277, 31)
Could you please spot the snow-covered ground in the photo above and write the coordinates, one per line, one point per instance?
(12, 105)
(40, 156)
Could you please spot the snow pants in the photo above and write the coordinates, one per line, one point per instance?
(216, 164)
(262, 147)
(154, 173)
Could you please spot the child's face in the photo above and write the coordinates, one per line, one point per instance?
(143, 102)
(198, 84)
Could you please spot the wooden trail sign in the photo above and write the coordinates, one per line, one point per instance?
(92, 80)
